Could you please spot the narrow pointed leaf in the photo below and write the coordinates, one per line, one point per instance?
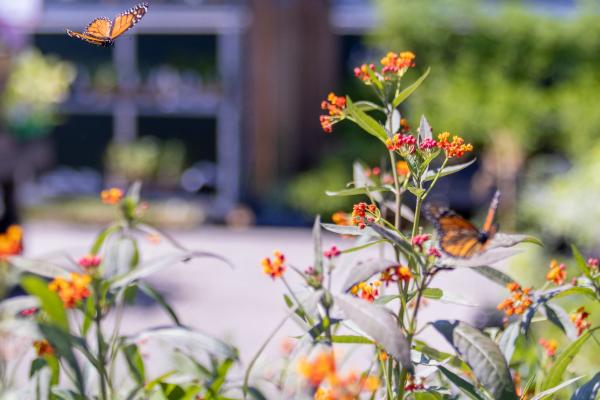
(350, 230)
(365, 121)
(391, 236)
(508, 341)
(357, 191)
(483, 356)
(548, 392)
(317, 245)
(49, 301)
(580, 262)
(424, 130)
(465, 386)
(494, 275)
(448, 170)
(403, 95)
(362, 271)
(379, 324)
(38, 267)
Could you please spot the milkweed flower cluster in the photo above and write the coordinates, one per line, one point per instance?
(412, 385)
(335, 106)
(362, 213)
(322, 370)
(420, 240)
(557, 273)
(275, 267)
(111, 196)
(393, 65)
(73, 290)
(454, 148)
(89, 261)
(580, 320)
(366, 291)
(401, 273)
(332, 252)
(549, 346)
(518, 302)
(11, 241)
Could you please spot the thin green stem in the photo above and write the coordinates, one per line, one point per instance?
(288, 287)
(435, 179)
(100, 343)
(398, 216)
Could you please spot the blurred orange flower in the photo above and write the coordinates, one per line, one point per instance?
(275, 268)
(518, 302)
(557, 273)
(454, 148)
(11, 241)
(43, 348)
(73, 290)
(580, 320)
(111, 196)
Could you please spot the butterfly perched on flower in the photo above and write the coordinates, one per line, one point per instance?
(457, 236)
(103, 31)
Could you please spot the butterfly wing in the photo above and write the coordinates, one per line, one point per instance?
(458, 237)
(126, 20)
(488, 226)
(89, 38)
(99, 28)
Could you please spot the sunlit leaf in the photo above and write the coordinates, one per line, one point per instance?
(424, 130)
(379, 324)
(559, 317)
(349, 230)
(392, 124)
(365, 121)
(494, 275)
(557, 370)
(487, 258)
(580, 262)
(317, 245)
(448, 170)
(38, 267)
(548, 392)
(364, 270)
(483, 356)
(508, 341)
(392, 237)
(156, 296)
(403, 95)
(589, 390)
(465, 386)
(49, 301)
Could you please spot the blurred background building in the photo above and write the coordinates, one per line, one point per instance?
(214, 105)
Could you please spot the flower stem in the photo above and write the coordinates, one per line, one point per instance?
(100, 342)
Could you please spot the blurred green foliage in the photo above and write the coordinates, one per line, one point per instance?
(502, 66)
(35, 87)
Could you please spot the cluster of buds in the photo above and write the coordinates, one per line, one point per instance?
(454, 148)
(397, 63)
(73, 290)
(550, 346)
(89, 262)
(593, 263)
(419, 241)
(359, 214)
(332, 252)
(518, 302)
(428, 144)
(375, 171)
(412, 385)
(11, 241)
(363, 73)
(111, 196)
(557, 273)
(405, 143)
(335, 106)
(313, 277)
(580, 320)
(366, 291)
(275, 267)
(401, 273)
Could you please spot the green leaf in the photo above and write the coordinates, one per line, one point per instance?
(403, 95)
(364, 270)
(367, 106)
(555, 375)
(66, 394)
(488, 257)
(348, 230)
(351, 339)
(357, 191)
(135, 363)
(441, 356)
(317, 245)
(508, 341)
(36, 366)
(427, 395)
(483, 356)
(424, 130)
(465, 386)
(102, 236)
(580, 262)
(379, 324)
(90, 311)
(548, 392)
(393, 237)
(578, 290)
(156, 296)
(445, 297)
(49, 301)
(38, 267)
(589, 390)
(448, 170)
(494, 275)
(365, 121)
(559, 317)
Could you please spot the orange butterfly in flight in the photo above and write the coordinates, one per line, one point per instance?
(103, 31)
(459, 237)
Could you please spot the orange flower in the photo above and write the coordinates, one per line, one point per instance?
(518, 302)
(335, 106)
(275, 267)
(557, 273)
(455, 148)
(579, 319)
(43, 348)
(402, 168)
(322, 370)
(341, 218)
(11, 241)
(359, 214)
(366, 291)
(382, 355)
(550, 346)
(111, 196)
(71, 291)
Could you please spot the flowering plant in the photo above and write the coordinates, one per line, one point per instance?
(73, 316)
(375, 303)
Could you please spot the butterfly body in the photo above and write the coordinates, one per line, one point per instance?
(457, 236)
(103, 31)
